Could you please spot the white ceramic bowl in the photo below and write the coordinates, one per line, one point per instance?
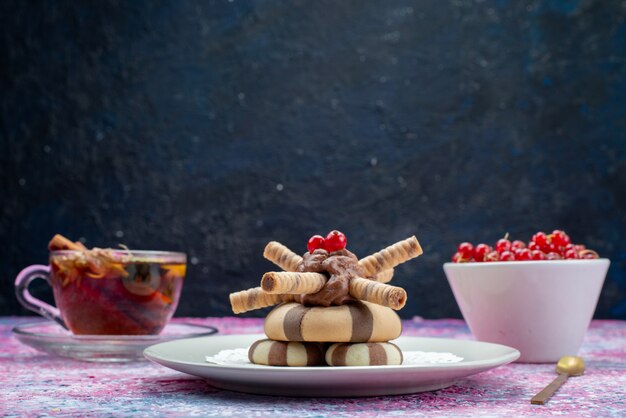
(541, 308)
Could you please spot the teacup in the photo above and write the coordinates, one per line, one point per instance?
(107, 292)
(541, 308)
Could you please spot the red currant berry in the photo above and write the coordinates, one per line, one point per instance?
(335, 241)
(553, 256)
(315, 242)
(579, 247)
(503, 245)
(466, 249)
(491, 256)
(571, 254)
(517, 244)
(540, 238)
(480, 251)
(560, 238)
(507, 256)
(523, 255)
(538, 255)
(533, 246)
(549, 247)
(457, 258)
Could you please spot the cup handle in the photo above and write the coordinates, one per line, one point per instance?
(30, 302)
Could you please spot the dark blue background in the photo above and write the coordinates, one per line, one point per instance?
(213, 127)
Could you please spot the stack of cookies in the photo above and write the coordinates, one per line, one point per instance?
(334, 309)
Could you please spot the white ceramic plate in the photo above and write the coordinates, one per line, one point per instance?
(188, 356)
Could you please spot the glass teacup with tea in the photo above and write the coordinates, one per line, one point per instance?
(106, 291)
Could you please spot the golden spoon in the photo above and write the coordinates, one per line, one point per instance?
(566, 367)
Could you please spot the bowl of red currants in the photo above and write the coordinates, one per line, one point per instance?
(537, 296)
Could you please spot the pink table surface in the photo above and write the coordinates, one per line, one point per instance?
(36, 384)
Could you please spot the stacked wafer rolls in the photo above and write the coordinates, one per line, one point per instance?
(360, 330)
(307, 283)
(384, 276)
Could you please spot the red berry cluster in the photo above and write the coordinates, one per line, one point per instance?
(542, 246)
(334, 241)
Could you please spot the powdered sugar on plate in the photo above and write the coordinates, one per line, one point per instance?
(239, 357)
(414, 358)
(234, 357)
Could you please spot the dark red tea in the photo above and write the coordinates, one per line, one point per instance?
(109, 292)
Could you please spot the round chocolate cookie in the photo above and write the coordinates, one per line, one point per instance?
(357, 322)
(363, 354)
(280, 353)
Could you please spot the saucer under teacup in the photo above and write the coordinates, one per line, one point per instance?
(51, 338)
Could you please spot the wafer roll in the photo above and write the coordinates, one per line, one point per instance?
(307, 283)
(282, 256)
(379, 293)
(383, 276)
(292, 283)
(255, 298)
(391, 256)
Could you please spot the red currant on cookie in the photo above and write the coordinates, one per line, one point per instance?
(315, 242)
(335, 241)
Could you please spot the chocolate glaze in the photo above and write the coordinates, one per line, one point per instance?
(341, 266)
